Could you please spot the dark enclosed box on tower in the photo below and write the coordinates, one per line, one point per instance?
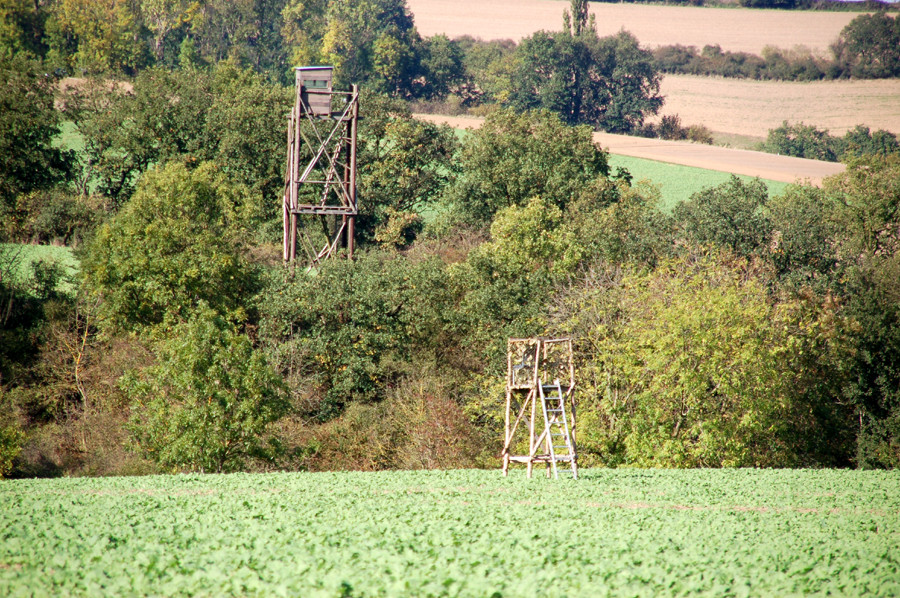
(314, 83)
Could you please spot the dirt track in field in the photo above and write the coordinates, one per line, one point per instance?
(734, 29)
(767, 166)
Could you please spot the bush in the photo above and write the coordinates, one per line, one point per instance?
(175, 244)
(730, 215)
(11, 438)
(802, 141)
(666, 384)
(516, 156)
(806, 141)
(208, 403)
(342, 334)
(51, 216)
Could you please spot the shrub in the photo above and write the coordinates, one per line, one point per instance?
(730, 215)
(802, 141)
(207, 404)
(175, 244)
(666, 384)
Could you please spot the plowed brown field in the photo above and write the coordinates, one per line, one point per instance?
(732, 28)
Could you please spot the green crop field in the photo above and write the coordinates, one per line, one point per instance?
(677, 183)
(455, 533)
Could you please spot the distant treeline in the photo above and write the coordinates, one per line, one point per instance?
(868, 48)
(807, 141)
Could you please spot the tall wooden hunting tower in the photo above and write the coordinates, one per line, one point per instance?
(320, 178)
(540, 385)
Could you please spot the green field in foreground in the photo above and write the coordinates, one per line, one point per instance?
(677, 183)
(455, 533)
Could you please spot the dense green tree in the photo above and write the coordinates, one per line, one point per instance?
(731, 215)
(207, 404)
(668, 384)
(303, 27)
(28, 123)
(244, 131)
(805, 227)
(516, 156)
(870, 46)
(404, 164)
(22, 28)
(127, 130)
(860, 141)
(491, 65)
(346, 332)
(174, 245)
(868, 276)
(97, 36)
(802, 141)
(442, 66)
(620, 223)
(609, 83)
(373, 42)
(164, 18)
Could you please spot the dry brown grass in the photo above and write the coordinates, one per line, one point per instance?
(751, 108)
(732, 28)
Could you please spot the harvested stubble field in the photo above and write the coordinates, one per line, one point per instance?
(751, 108)
(454, 533)
(738, 30)
(730, 107)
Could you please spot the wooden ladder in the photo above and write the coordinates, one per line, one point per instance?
(556, 427)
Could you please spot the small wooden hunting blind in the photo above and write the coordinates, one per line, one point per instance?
(320, 177)
(314, 83)
(540, 404)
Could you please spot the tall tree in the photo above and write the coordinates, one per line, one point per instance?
(97, 36)
(374, 42)
(28, 123)
(174, 245)
(163, 17)
(609, 83)
(22, 27)
(870, 46)
(516, 156)
(207, 404)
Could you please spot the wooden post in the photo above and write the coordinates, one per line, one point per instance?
(351, 224)
(508, 432)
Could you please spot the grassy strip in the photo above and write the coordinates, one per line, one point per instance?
(455, 533)
(677, 183)
(24, 256)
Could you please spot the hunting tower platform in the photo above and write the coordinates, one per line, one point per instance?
(540, 385)
(320, 178)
